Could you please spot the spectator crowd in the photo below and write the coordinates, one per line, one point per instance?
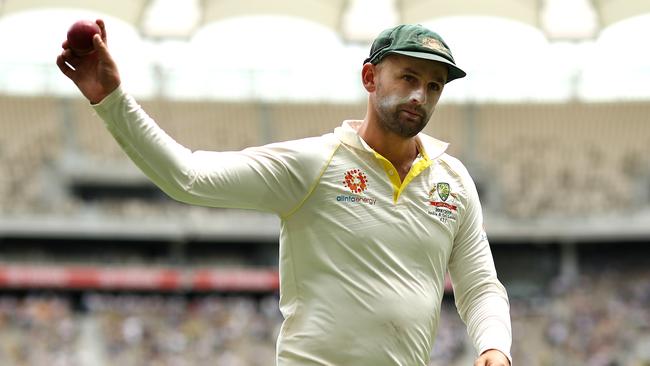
(598, 320)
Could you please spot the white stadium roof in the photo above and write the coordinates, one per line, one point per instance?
(558, 19)
(513, 50)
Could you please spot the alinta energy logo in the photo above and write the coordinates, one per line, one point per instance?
(357, 182)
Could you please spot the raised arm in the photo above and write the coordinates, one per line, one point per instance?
(268, 178)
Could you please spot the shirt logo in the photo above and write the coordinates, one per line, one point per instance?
(440, 193)
(443, 191)
(443, 201)
(356, 181)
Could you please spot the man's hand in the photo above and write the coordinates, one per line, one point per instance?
(492, 357)
(96, 74)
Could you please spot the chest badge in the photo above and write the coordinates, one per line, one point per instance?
(355, 180)
(444, 202)
(443, 191)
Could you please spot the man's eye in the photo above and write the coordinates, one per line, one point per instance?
(434, 86)
(408, 78)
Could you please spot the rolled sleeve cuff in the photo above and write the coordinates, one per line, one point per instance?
(110, 99)
(499, 347)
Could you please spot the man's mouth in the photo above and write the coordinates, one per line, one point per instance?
(412, 113)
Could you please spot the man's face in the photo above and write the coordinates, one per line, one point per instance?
(407, 91)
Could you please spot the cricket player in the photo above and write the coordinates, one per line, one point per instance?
(372, 215)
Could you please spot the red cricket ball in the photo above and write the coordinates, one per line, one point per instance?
(80, 37)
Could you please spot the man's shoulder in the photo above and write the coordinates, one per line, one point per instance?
(316, 144)
(302, 154)
(454, 163)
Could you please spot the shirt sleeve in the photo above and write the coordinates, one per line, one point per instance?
(268, 178)
(481, 299)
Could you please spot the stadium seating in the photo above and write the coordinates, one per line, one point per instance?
(534, 160)
(600, 320)
(30, 140)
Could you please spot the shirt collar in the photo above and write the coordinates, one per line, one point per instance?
(429, 147)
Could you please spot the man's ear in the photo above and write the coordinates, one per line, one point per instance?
(368, 77)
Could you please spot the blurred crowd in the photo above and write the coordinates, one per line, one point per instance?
(524, 156)
(602, 322)
(153, 330)
(38, 330)
(597, 320)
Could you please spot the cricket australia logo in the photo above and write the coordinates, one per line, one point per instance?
(444, 202)
(443, 191)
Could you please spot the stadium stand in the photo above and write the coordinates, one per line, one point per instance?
(38, 331)
(600, 320)
(531, 160)
(29, 142)
(297, 120)
(572, 159)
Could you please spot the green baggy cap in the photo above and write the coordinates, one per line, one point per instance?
(416, 41)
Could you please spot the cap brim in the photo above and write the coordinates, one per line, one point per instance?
(454, 71)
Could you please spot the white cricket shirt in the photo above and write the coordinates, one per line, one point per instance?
(363, 255)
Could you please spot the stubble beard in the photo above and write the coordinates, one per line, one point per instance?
(391, 119)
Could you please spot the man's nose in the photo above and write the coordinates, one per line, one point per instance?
(418, 96)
